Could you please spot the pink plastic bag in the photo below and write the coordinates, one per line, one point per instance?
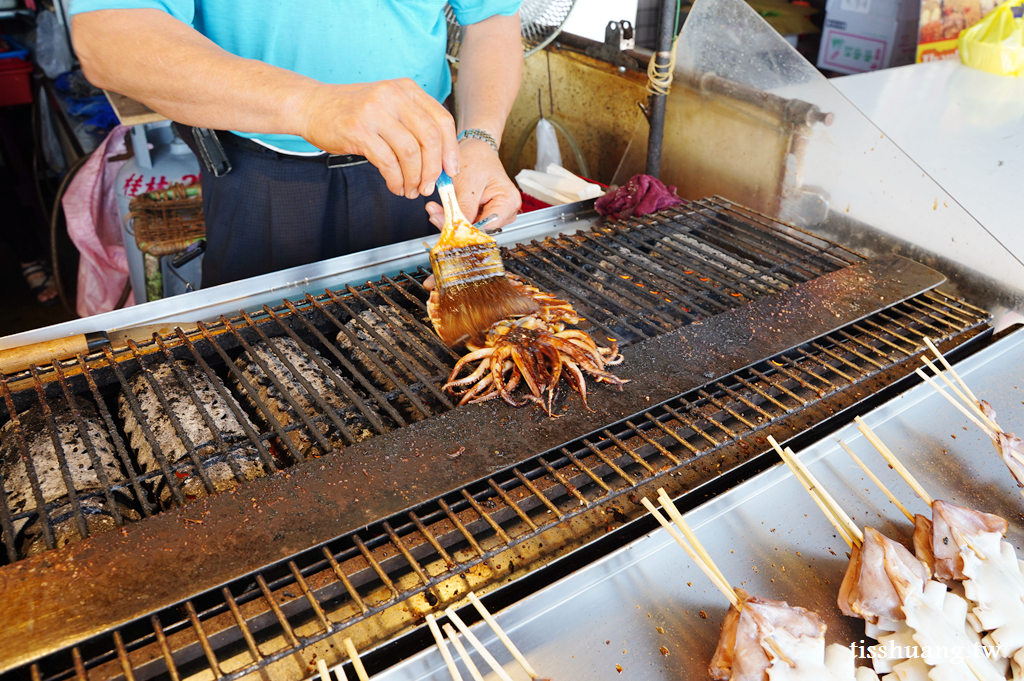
(95, 228)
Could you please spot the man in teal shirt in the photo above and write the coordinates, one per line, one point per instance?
(309, 89)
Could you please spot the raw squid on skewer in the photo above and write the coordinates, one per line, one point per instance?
(915, 619)
(763, 638)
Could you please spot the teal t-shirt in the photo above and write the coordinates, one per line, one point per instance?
(333, 41)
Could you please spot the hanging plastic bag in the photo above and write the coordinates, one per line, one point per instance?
(547, 146)
(996, 43)
(52, 51)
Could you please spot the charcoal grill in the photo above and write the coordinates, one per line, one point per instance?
(733, 326)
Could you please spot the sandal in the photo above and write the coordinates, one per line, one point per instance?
(33, 271)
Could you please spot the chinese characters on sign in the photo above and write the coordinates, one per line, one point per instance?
(139, 183)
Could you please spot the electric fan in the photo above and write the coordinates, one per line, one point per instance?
(542, 20)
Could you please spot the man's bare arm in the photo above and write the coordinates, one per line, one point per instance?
(153, 58)
(490, 71)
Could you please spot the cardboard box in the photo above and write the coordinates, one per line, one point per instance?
(941, 23)
(868, 35)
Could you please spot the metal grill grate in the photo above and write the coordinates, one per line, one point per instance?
(267, 389)
(370, 363)
(402, 567)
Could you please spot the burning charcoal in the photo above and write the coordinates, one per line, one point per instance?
(384, 354)
(282, 410)
(214, 462)
(29, 536)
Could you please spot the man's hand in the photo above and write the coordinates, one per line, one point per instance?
(483, 188)
(397, 126)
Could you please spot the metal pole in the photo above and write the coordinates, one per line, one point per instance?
(662, 56)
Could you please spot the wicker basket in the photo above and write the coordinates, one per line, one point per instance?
(168, 221)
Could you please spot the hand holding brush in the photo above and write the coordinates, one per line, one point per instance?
(470, 277)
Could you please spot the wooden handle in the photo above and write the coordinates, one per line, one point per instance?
(18, 359)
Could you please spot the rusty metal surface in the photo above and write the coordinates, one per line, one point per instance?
(67, 595)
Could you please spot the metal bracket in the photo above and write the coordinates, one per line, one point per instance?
(618, 36)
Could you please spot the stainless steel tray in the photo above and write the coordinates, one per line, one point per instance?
(768, 537)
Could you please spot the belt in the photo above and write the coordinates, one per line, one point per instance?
(330, 160)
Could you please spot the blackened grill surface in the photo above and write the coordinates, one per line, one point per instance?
(188, 418)
(634, 281)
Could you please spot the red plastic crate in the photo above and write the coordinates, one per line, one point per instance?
(15, 82)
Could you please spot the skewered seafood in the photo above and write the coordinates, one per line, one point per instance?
(534, 351)
(215, 470)
(870, 588)
(796, 649)
(940, 541)
(87, 480)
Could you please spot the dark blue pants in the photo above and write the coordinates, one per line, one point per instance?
(272, 212)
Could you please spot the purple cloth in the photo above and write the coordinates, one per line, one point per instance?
(643, 194)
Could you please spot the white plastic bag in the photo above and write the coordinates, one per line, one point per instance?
(52, 51)
(547, 146)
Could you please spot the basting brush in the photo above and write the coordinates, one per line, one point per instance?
(473, 292)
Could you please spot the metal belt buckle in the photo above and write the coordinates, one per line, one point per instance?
(344, 160)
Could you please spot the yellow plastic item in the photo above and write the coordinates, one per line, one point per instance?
(996, 43)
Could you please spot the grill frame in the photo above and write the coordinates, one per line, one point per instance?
(854, 291)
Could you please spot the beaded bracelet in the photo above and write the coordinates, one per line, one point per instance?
(477, 133)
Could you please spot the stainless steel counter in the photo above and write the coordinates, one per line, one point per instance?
(768, 537)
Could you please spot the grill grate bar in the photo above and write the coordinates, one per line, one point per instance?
(165, 649)
(517, 262)
(400, 356)
(693, 258)
(676, 261)
(236, 410)
(336, 379)
(381, 366)
(614, 281)
(314, 394)
(365, 383)
(218, 436)
(798, 238)
(252, 394)
(211, 658)
(646, 272)
(409, 340)
(5, 514)
(578, 285)
(240, 622)
(796, 264)
(62, 461)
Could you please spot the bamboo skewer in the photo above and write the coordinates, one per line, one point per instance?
(454, 636)
(502, 636)
(949, 368)
(442, 646)
(702, 558)
(845, 526)
(357, 664)
(893, 461)
(677, 518)
(970, 398)
(475, 642)
(712, 574)
(874, 479)
(321, 667)
(938, 388)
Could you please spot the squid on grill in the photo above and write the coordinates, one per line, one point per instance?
(532, 352)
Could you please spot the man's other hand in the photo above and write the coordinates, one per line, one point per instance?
(483, 188)
(397, 126)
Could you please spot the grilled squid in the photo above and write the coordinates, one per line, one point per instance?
(530, 354)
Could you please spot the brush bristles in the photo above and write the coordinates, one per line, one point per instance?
(469, 310)
(457, 266)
